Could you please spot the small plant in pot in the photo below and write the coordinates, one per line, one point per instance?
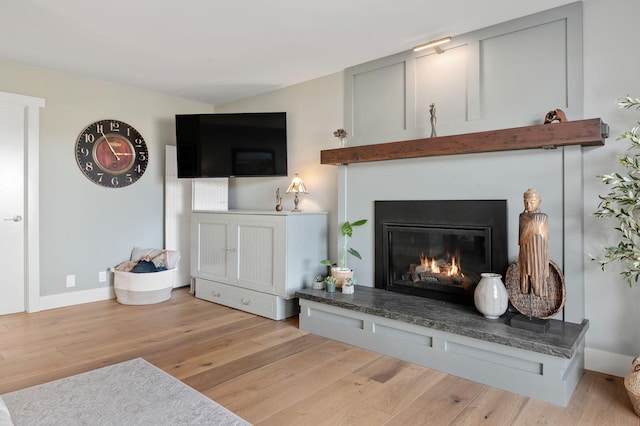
(318, 282)
(330, 284)
(349, 286)
(340, 270)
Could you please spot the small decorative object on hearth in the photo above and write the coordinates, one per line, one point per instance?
(330, 284)
(341, 271)
(278, 200)
(342, 135)
(632, 384)
(490, 296)
(349, 286)
(318, 282)
(531, 306)
(433, 119)
(555, 115)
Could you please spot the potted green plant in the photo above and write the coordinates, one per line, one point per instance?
(318, 282)
(622, 203)
(340, 270)
(330, 283)
(349, 286)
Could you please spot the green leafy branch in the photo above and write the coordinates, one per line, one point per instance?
(347, 232)
(623, 203)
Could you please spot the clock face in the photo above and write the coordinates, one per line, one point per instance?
(111, 153)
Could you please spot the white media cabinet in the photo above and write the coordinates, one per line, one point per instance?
(255, 261)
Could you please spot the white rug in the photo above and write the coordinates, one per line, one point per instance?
(130, 393)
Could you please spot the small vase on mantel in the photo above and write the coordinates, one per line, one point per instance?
(490, 296)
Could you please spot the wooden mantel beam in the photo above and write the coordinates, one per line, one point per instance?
(591, 132)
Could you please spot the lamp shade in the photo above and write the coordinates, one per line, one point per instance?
(297, 185)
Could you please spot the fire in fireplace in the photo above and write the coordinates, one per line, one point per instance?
(439, 248)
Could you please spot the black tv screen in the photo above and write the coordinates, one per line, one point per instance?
(231, 145)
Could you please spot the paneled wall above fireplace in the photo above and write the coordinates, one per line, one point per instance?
(506, 75)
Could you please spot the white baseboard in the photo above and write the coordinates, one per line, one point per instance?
(607, 362)
(76, 298)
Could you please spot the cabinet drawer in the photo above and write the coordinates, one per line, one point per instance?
(254, 302)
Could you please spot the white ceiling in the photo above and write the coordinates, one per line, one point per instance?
(216, 51)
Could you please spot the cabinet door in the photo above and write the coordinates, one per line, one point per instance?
(260, 265)
(211, 252)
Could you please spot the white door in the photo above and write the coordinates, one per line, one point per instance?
(12, 208)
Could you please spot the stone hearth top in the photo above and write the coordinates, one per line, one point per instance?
(561, 340)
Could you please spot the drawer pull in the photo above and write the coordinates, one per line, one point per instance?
(216, 294)
(246, 301)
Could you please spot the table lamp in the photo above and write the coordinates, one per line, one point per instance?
(297, 186)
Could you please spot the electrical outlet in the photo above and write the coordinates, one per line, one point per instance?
(71, 280)
(102, 276)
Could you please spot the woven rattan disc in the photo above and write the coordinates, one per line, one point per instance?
(538, 307)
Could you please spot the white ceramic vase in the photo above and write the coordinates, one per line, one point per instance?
(490, 296)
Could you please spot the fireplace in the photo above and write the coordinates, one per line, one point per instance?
(439, 248)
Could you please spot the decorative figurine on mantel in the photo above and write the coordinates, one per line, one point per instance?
(555, 115)
(534, 283)
(433, 119)
(278, 201)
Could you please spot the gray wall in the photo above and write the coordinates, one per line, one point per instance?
(86, 228)
(610, 72)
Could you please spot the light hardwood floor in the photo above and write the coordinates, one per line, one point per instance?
(272, 373)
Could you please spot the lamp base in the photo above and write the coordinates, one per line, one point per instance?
(295, 204)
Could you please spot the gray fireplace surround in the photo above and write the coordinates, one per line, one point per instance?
(452, 338)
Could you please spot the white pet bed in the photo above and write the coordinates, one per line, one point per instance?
(146, 288)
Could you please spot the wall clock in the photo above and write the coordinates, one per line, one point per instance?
(111, 153)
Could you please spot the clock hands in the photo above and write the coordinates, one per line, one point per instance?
(110, 147)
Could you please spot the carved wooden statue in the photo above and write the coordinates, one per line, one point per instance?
(533, 259)
(433, 119)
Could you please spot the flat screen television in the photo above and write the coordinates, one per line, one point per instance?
(231, 144)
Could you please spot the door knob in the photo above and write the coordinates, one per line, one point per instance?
(17, 218)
